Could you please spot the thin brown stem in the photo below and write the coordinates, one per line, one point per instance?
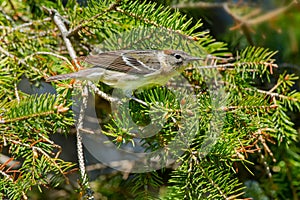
(85, 23)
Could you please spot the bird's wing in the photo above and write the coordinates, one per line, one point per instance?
(127, 61)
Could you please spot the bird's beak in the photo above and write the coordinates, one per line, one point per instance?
(193, 58)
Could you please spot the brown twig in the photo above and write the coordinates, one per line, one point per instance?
(199, 5)
(273, 94)
(83, 24)
(245, 22)
(22, 26)
(147, 21)
(49, 53)
(58, 20)
(8, 54)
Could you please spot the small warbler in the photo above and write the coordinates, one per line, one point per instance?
(132, 69)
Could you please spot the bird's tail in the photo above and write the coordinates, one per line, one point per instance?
(64, 77)
(94, 73)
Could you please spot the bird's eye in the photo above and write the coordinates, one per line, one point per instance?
(177, 56)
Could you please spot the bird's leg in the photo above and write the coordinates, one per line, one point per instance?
(103, 94)
(128, 93)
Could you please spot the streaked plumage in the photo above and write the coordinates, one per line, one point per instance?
(131, 69)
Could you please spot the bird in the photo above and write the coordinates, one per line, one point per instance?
(132, 69)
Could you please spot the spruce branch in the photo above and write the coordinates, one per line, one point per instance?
(6, 176)
(6, 121)
(29, 108)
(87, 22)
(214, 184)
(242, 20)
(261, 107)
(7, 16)
(101, 93)
(9, 163)
(37, 150)
(23, 26)
(253, 120)
(57, 18)
(249, 20)
(274, 94)
(146, 20)
(19, 60)
(49, 53)
(79, 138)
(263, 160)
(198, 5)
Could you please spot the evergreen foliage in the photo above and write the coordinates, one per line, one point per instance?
(228, 124)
